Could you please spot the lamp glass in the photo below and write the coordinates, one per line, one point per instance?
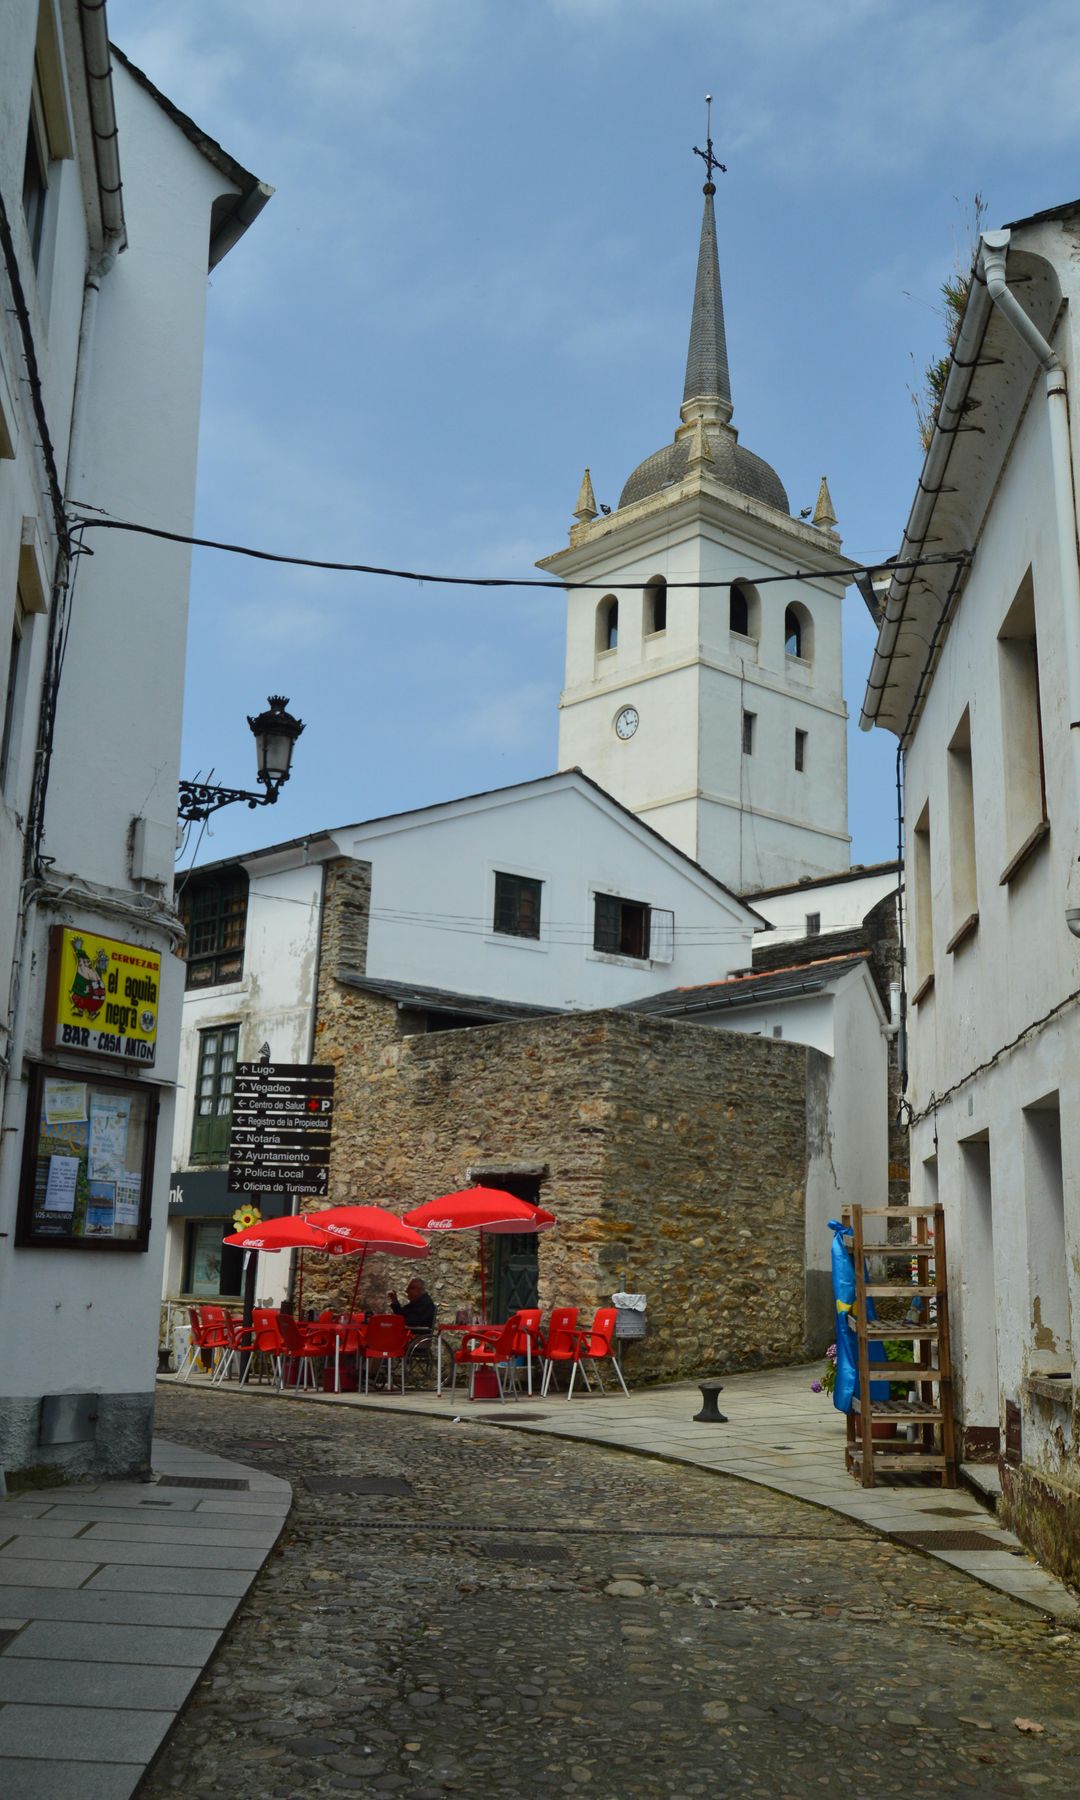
(274, 750)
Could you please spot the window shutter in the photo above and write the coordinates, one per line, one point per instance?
(661, 935)
(606, 935)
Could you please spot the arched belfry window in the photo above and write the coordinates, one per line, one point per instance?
(744, 609)
(607, 623)
(798, 633)
(655, 605)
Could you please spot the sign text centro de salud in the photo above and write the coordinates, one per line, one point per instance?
(281, 1123)
(102, 996)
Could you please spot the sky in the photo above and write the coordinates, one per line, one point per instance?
(475, 278)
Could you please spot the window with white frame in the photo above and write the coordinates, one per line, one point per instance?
(633, 928)
(214, 1094)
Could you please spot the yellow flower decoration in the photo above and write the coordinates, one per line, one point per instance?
(246, 1215)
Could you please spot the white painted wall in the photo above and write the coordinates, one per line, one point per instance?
(1019, 964)
(849, 1157)
(433, 895)
(273, 1003)
(116, 745)
(842, 905)
(752, 819)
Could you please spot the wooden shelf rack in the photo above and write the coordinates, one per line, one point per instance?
(921, 1431)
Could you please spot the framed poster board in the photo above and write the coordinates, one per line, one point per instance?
(88, 1162)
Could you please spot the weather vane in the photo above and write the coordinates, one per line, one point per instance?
(711, 162)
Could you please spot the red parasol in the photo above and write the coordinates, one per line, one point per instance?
(365, 1228)
(480, 1209)
(293, 1232)
(368, 1228)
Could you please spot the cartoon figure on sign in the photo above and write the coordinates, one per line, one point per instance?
(88, 987)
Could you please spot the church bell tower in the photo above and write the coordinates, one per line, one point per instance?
(702, 693)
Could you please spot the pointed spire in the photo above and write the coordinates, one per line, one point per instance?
(824, 513)
(585, 510)
(706, 361)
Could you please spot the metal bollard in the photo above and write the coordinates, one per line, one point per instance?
(710, 1413)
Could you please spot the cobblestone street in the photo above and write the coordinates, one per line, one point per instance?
(524, 1616)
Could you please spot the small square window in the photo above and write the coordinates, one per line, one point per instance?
(517, 906)
(621, 927)
(749, 720)
(813, 924)
(800, 751)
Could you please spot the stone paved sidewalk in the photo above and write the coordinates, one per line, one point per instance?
(779, 1435)
(112, 1601)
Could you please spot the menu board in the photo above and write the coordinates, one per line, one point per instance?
(86, 1176)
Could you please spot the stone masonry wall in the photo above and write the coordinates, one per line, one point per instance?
(676, 1159)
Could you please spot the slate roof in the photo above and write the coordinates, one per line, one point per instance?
(751, 988)
(731, 464)
(429, 999)
(706, 358)
(857, 872)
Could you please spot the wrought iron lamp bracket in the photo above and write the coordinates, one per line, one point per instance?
(198, 799)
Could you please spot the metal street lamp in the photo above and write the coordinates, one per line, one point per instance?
(275, 732)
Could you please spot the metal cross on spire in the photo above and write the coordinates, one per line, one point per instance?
(711, 162)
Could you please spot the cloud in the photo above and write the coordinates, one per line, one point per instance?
(325, 52)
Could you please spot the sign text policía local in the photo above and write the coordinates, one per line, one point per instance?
(281, 1123)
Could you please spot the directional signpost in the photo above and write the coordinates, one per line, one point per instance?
(281, 1122)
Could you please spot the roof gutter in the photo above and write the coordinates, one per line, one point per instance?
(931, 482)
(243, 214)
(993, 254)
(95, 37)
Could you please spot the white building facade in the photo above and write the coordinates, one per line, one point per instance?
(544, 897)
(977, 670)
(125, 205)
(817, 907)
(704, 683)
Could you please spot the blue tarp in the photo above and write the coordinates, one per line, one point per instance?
(847, 1344)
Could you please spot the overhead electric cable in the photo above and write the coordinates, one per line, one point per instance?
(486, 581)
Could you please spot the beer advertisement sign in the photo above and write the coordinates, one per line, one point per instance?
(102, 996)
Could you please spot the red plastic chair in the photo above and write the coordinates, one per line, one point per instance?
(267, 1341)
(238, 1340)
(526, 1343)
(305, 1344)
(490, 1352)
(560, 1342)
(594, 1345)
(201, 1339)
(215, 1331)
(386, 1339)
(348, 1340)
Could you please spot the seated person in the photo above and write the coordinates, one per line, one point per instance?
(419, 1309)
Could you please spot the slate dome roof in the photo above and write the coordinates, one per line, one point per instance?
(731, 464)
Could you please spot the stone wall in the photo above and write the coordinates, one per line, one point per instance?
(675, 1159)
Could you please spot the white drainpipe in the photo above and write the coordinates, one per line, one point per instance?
(994, 250)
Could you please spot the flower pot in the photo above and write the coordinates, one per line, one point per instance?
(879, 1428)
